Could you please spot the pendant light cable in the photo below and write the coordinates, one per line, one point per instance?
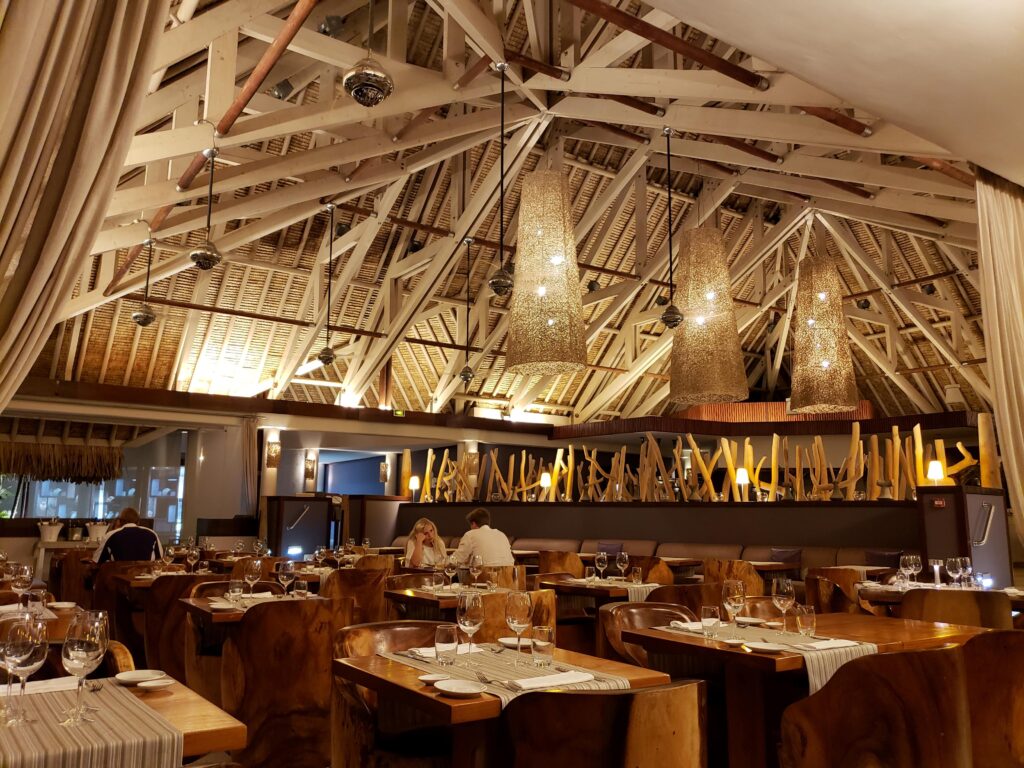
(469, 246)
(149, 267)
(501, 172)
(330, 275)
(369, 30)
(668, 187)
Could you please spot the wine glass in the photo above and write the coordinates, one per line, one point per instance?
(906, 566)
(450, 568)
(915, 565)
(622, 562)
(350, 546)
(259, 547)
(21, 579)
(476, 566)
(192, 557)
(286, 574)
(24, 653)
(6, 622)
(469, 615)
(253, 573)
(734, 597)
(320, 554)
(83, 650)
(601, 562)
(967, 572)
(518, 615)
(366, 544)
(953, 569)
(168, 556)
(783, 595)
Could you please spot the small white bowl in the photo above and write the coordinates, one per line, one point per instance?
(460, 689)
(431, 679)
(774, 624)
(733, 642)
(137, 676)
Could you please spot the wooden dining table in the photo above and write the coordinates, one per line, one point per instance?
(758, 686)
(397, 686)
(206, 727)
(893, 598)
(199, 608)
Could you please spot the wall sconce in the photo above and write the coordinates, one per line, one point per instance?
(311, 458)
(414, 485)
(545, 483)
(273, 454)
(742, 480)
(472, 463)
(935, 471)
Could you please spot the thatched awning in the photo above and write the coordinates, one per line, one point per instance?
(67, 463)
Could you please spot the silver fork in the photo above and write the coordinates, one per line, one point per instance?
(491, 681)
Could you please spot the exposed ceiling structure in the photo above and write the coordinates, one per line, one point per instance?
(783, 170)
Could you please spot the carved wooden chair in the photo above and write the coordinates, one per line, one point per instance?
(364, 586)
(616, 617)
(741, 570)
(760, 607)
(974, 608)
(560, 562)
(376, 562)
(834, 590)
(125, 618)
(658, 727)
(692, 596)
(276, 678)
(994, 667)
(899, 710)
(507, 576)
(409, 580)
(165, 625)
(653, 570)
(116, 660)
(360, 738)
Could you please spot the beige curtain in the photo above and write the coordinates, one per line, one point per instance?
(250, 464)
(74, 77)
(1001, 275)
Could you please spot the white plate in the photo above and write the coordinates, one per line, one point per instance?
(460, 689)
(766, 647)
(733, 642)
(137, 676)
(222, 607)
(774, 624)
(156, 685)
(61, 606)
(431, 679)
(748, 620)
(510, 642)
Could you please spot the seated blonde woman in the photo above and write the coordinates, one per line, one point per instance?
(424, 548)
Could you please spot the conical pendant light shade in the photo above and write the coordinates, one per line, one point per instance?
(707, 364)
(545, 329)
(822, 368)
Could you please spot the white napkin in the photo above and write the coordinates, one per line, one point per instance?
(825, 645)
(687, 626)
(57, 684)
(258, 596)
(431, 653)
(1013, 591)
(550, 681)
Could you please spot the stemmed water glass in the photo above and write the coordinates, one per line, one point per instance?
(518, 615)
(953, 569)
(259, 547)
(469, 615)
(366, 545)
(320, 554)
(168, 556)
(476, 567)
(6, 622)
(622, 562)
(286, 574)
(450, 568)
(192, 557)
(24, 653)
(783, 596)
(600, 563)
(906, 566)
(253, 573)
(915, 565)
(734, 597)
(967, 572)
(21, 579)
(84, 648)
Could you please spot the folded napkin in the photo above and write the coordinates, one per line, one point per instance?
(48, 686)
(1013, 591)
(550, 681)
(258, 596)
(687, 626)
(431, 653)
(826, 645)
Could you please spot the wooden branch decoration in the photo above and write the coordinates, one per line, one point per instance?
(988, 454)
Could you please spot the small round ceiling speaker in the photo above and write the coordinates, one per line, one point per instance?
(144, 316)
(325, 356)
(501, 283)
(367, 83)
(206, 256)
(466, 374)
(671, 317)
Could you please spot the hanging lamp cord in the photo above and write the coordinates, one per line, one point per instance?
(501, 173)
(149, 267)
(209, 200)
(369, 31)
(330, 277)
(469, 245)
(668, 186)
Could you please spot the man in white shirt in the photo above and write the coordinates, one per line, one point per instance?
(491, 544)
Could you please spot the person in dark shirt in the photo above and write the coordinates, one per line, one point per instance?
(128, 540)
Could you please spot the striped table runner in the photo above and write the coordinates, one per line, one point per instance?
(820, 664)
(126, 733)
(500, 666)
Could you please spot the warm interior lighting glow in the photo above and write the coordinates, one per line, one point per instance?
(273, 455)
(414, 483)
(742, 476)
(935, 471)
(349, 399)
(545, 320)
(545, 480)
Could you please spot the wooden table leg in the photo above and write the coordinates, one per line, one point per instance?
(745, 713)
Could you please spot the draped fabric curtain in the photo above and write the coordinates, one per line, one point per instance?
(1001, 276)
(250, 464)
(75, 74)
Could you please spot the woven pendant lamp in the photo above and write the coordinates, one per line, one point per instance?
(545, 327)
(707, 363)
(823, 380)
